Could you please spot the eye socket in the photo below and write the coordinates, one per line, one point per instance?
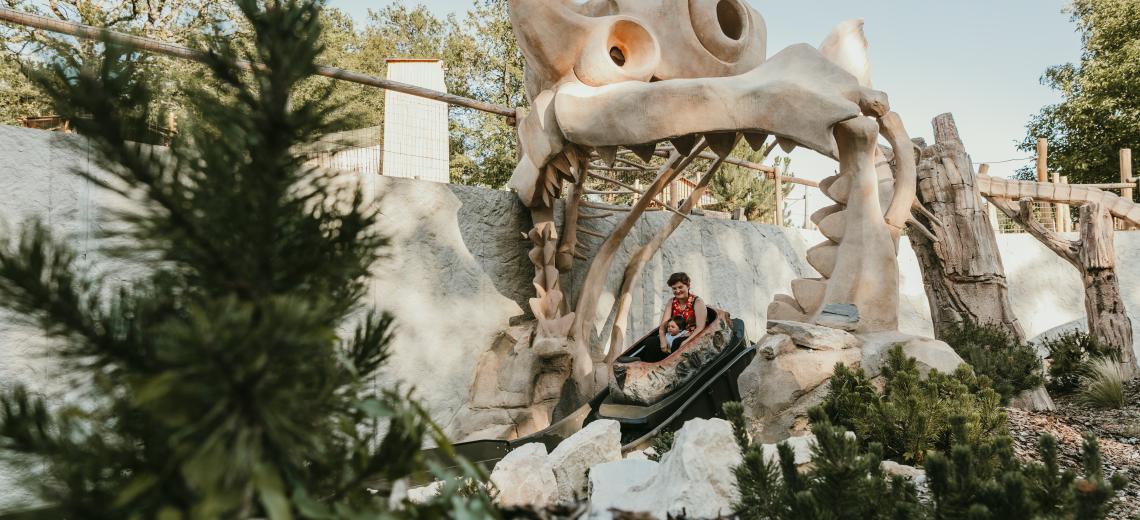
(617, 56)
(620, 50)
(724, 27)
(730, 18)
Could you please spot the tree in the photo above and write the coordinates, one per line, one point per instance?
(19, 97)
(1100, 112)
(484, 146)
(174, 21)
(739, 187)
(217, 386)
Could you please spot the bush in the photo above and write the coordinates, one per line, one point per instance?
(975, 480)
(1069, 358)
(912, 415)
(986, 480)
(1011, 365)
(1103, 384)
(845, 482)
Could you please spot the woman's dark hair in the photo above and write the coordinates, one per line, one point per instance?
(679, 321)
(679, 277)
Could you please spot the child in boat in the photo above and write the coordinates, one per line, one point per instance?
(675, 333)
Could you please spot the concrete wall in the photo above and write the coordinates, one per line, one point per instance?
(457, 271)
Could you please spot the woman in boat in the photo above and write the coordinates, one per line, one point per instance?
(685, 305)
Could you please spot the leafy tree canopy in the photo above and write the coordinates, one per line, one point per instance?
(1100, 113)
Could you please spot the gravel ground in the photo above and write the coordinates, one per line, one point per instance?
(1117, 432)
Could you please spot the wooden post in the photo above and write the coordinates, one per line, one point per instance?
(1104, 305)
(1067, 210)
(1042, 160)
(779, 196)
(1126, 172)
(1058, 219)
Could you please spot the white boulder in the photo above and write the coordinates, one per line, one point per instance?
(928, 353)
(597, 443)
(802, 447)
(814, 337)
(523, 477)
(611, 482)
(695, 478)
(891, 468)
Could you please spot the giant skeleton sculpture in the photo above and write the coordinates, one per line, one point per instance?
(604, 74)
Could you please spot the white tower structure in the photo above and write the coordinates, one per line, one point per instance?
(415, 128)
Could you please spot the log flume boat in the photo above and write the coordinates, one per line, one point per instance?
(696, 391)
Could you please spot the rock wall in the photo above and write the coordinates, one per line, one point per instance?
(457, 272)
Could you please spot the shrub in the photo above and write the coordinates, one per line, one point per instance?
(1103, 384)
(986, 480)
(911, 415)
(1069, 358)
(1011, 365)
(845, 482)
(972, 480)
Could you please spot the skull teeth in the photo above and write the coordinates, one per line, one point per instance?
(684, 144)
(608, 154)
(755, 139)
(644, 151)
(722, 143)
(787, 145)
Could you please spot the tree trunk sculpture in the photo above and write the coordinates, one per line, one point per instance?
(1094, 256)
(962, 269)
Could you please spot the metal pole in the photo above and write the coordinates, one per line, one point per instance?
(146, 44)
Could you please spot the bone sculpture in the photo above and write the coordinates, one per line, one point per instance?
(604, 74)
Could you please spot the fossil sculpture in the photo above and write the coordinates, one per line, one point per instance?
(604, 74)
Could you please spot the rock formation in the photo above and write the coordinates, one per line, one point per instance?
(795, 360)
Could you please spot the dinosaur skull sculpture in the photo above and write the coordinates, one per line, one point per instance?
(604, 74)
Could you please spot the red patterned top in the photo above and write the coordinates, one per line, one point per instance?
(686, 311)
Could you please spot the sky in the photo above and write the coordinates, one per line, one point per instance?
(978, 59)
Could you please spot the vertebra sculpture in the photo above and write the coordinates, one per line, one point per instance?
(604, 74)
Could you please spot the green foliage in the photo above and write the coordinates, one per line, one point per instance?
(480, 53)
(176, 21)
(215, 384)
(911, 415)
(845, 481)
(1069, 357)
(971, 480)
(1011, 365)
(662, 443)
(19, 97)
(737, 187)
(1103, 384)
(984, 480)
(1100, 110)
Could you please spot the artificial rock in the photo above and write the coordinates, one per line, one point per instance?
(779, 386)
(523, 477)
(611, 482)
(814, 337)
(695, 478)
(597, 443)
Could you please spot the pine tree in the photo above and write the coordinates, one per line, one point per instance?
(217, 384)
